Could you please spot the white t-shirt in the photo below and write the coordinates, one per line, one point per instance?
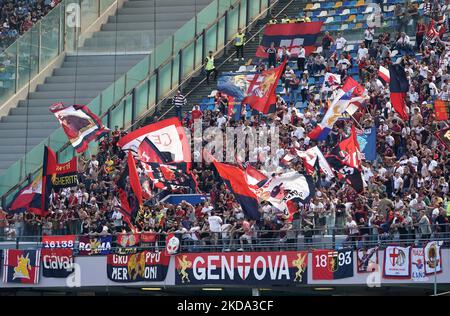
(221, 121)
(352, 227)
(340, 42)
(215, 224)
(301, 53)
(362, 53)
(368, 35)
(398, 183)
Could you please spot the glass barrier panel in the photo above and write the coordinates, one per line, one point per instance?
(163, 52)
(137, 73)
(183, 35)
(243, 13)
(28, 56)
(117, 115)
(199, 52)
(8, 59)
(207, 16)
(224, 5)
(104, 4)
(50, 36)
(175, 71)
(119, 89)
(211, 39)
(164, 79)
(95, 106)
(107, 97)
(141, 98)
(66, 155)
(221, 33)
(88, 12)
(188, 59)
(11, 177)
(254, 8)
(34, 157)
(128, 110)
(152, 92)
(233, 20)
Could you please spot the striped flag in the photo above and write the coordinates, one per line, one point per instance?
(383, 74)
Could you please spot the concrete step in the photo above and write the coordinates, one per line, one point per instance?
(133, 18)
(82, 78)
(46, 103)
(58, 95)
(23, 118)
(79, 86)
(30, 125)
(144, 26)
(103, 58)
(89, 71)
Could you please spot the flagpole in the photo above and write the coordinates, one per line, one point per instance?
(359, 125)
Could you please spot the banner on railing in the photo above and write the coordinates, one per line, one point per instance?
(127, 243)
(67, 241)
(237, 268)
(417, 265)
(57, 262)
(21, 266)
(397, 262)
(94, 246)
(367, 260)
(141, 266)
(291, 36)
(433, 257)
(329, 264)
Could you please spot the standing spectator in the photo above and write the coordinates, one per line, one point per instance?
(179, 101)
(327, 41)
(369, 33)
(341, 42)
(239, 42)
(210, 67)
(301, 58)
(424, 226)
(420, 32)
(272, 52)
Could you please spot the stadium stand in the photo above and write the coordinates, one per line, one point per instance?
(407, 193)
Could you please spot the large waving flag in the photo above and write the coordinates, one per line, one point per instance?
(291, 35)
(352, 176)
(61, 175)
(314, 156)
(349, 151)
(235, 84)
(162, 171)
(283, 190)
(350, 92)
(398, 87)
(331, 81)
(236, 181)
(130, 196)
(367, 140)
(261, 92)
(35, 197)
(80, 124)
(168, 136)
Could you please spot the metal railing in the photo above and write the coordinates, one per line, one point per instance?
(261, 240)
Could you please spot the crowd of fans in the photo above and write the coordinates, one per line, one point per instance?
(406, 197)
(18, 16)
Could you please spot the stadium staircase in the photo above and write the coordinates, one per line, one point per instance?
(347, 17)
(121, 43)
